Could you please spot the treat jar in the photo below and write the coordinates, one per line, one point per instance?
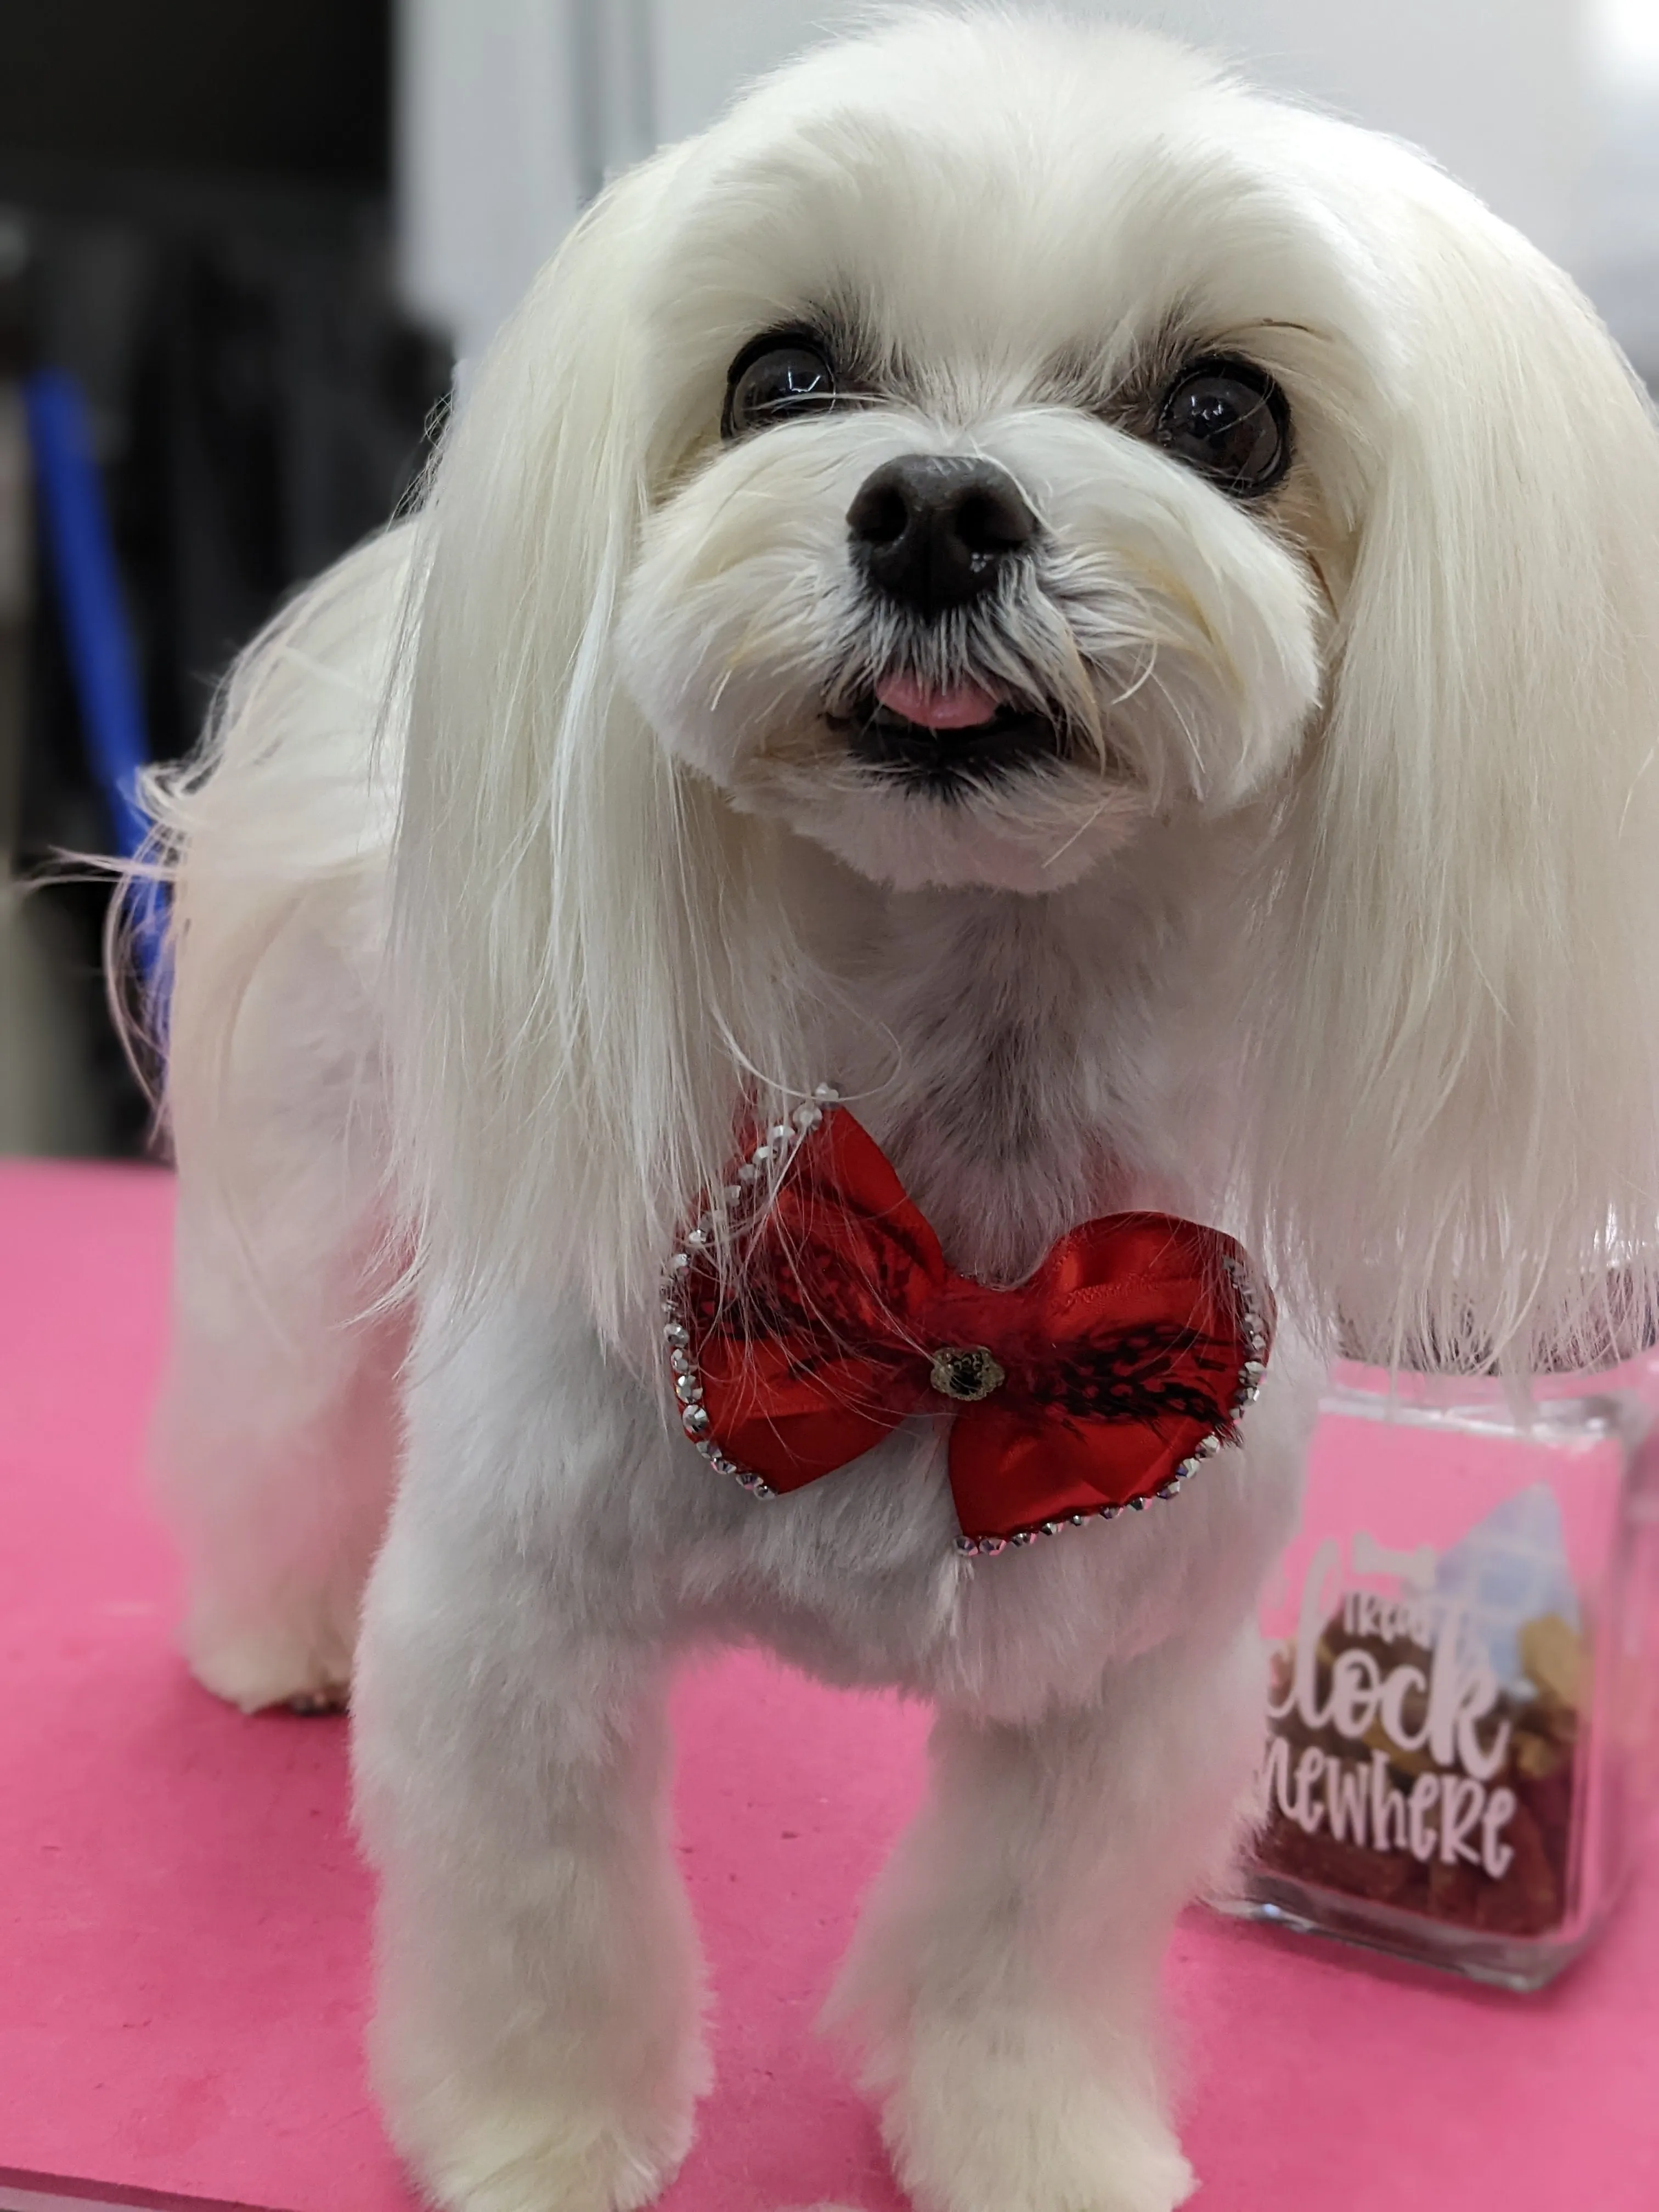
(1460, 1741)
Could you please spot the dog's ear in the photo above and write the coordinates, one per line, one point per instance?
(1459, 995)
(571, 966)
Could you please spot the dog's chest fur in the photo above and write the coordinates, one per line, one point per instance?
(1005, 1053)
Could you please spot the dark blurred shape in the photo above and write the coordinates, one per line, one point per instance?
(17, 561)
(300, 88)
(202, 189)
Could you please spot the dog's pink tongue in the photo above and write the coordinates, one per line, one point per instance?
(959, 708)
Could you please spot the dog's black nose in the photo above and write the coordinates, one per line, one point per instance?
(934, 529)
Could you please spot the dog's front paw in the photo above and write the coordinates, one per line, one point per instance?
(273, 1667)
(546, 2158)
(301, 1659)
(1003, 2117)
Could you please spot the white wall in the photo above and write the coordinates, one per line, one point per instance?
(499, 146)
(705, 47)
(486, 155)
(1496, 90)
(509, 115)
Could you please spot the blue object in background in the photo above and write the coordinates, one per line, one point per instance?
(101, 656)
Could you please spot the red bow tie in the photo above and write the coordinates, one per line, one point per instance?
(1099, 1383)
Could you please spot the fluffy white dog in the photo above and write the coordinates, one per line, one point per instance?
(1115, 621)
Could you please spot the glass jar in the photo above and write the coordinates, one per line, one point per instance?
(1464, 1676)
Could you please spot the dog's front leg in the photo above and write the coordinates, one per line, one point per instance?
(1004, 1982)
(537, 2045)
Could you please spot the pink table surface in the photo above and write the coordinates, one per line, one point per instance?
(184, 1924)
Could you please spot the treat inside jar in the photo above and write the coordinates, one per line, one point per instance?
(1422, 1741)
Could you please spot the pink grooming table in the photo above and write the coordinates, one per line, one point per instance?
(184, 1925)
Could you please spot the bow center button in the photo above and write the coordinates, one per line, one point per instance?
(965, 1372)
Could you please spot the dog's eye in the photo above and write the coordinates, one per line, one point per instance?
(775, 380)
(1229, 420)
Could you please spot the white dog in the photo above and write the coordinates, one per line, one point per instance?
(1113, 620)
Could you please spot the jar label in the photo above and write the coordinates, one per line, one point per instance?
(1421, 1737)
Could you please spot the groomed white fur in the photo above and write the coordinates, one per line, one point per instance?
(522, 847)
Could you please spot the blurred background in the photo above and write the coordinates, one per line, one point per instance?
(246, 248)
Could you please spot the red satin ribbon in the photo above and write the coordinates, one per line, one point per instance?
(1133, 1343)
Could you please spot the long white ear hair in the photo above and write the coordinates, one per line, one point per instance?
(586, 958)
(1458, 1001)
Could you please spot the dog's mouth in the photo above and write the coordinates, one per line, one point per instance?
(945, 743)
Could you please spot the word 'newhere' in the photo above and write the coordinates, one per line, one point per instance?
(1435, 1706)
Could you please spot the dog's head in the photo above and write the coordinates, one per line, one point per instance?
(1002, 445)
(992, 441)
